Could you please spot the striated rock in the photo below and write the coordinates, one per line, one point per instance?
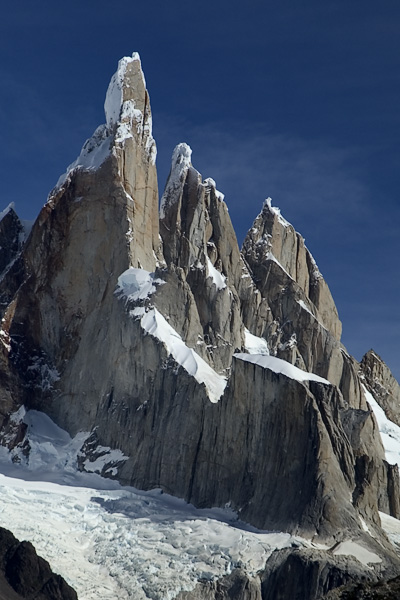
(272, 238)
(200, 247)
(11, 237)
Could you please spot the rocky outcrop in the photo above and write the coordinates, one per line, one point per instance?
(308, 574)
(236, 585)
(299, 574)
(11, 237)
(24, 574)
(381, 590)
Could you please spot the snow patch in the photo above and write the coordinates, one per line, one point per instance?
(270, 256)
(254, 344)
(277, 212)
(7, 209)
(137, 284)
(113, 101)
(217, 277)
(131, 119)
(277, 365)
(348, 547)
(94, 152)
(156, 325)
(305, 307)
(106, 457)
(210, 183)
(50, 450)
(391, 527)
(316, 274)
(364, 525)
(5, 339)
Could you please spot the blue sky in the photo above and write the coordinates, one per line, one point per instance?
(294, 100)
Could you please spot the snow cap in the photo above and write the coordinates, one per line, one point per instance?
(115, 96)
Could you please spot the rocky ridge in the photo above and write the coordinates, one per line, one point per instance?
(218, 373)
(24, 574)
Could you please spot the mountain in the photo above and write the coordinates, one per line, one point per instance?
(177, 361)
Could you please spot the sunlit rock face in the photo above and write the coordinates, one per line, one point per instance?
(218, 373)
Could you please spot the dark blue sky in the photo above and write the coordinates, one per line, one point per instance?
(294, 100)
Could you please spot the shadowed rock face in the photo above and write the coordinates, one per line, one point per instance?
(284, 451)
(24, 574)
(11, 231)
(382, 590)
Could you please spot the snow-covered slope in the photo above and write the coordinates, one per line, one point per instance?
(110, 541)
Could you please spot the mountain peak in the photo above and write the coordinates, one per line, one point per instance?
(128, 117)
(127, 84)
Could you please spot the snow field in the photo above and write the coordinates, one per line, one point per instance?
(113, 542)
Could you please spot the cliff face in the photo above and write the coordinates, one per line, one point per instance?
(219, 374)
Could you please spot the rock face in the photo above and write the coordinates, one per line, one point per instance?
(24, 574)
(382, 590)
(382, 384)
(218, 373)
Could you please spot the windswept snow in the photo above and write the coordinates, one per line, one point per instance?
(94, 152)
(277, 365)
(254, 344)
(277, 212)
(155, 324)
(316, 273)
(131, 119)
(209, 182)
(390, 432)
(270, 256)
(217, 277)
(305, 307)
(137, 284)
(7, 209)
(113, 101)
